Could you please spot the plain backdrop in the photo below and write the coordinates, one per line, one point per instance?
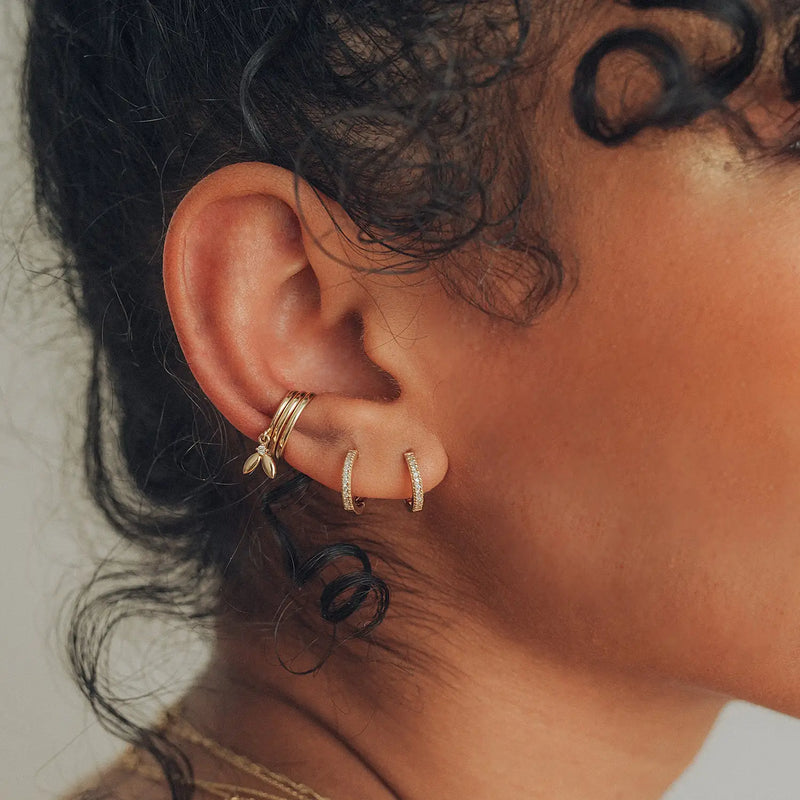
(50, 534)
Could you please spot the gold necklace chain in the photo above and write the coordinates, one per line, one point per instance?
(172, 722)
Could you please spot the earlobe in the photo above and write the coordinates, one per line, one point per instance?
(260, 309)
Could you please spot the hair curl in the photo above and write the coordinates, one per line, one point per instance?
(398, 110)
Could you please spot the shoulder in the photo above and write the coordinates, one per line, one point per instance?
(117, 782)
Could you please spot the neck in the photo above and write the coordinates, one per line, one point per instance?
(483, 719)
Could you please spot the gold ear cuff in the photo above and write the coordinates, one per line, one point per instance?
(272, 442)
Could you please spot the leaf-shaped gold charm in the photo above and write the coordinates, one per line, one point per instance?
(251, 463)
(269, 465)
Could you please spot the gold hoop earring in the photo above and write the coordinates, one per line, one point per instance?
(356, 505)
(272, 442)
(414, 503)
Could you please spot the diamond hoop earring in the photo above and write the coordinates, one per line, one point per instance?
(350, 503)
(414, 503)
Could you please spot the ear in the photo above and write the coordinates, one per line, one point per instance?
(266, 296)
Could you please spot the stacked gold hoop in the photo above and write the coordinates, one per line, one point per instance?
(272, 442)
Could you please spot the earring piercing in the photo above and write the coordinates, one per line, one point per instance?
(356, 505)
(272, 442)
(414, 503)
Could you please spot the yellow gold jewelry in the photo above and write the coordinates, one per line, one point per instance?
(293, 789)
(272, 442)
(356, 505)
(286, 425)
(280, 786)
(261, 456)
(414, 503)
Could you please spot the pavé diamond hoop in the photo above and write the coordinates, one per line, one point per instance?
(272, 442)
(356, 505)
(417, 495)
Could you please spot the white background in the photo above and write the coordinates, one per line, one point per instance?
(49, 533)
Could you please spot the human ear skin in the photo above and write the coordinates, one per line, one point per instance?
(264, 297)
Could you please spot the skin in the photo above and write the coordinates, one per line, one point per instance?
(610, 544)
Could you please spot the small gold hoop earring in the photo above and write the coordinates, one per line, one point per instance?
(350, 503)
(272, 442)
(414, 503)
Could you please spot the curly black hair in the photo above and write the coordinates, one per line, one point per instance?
(402, 112)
